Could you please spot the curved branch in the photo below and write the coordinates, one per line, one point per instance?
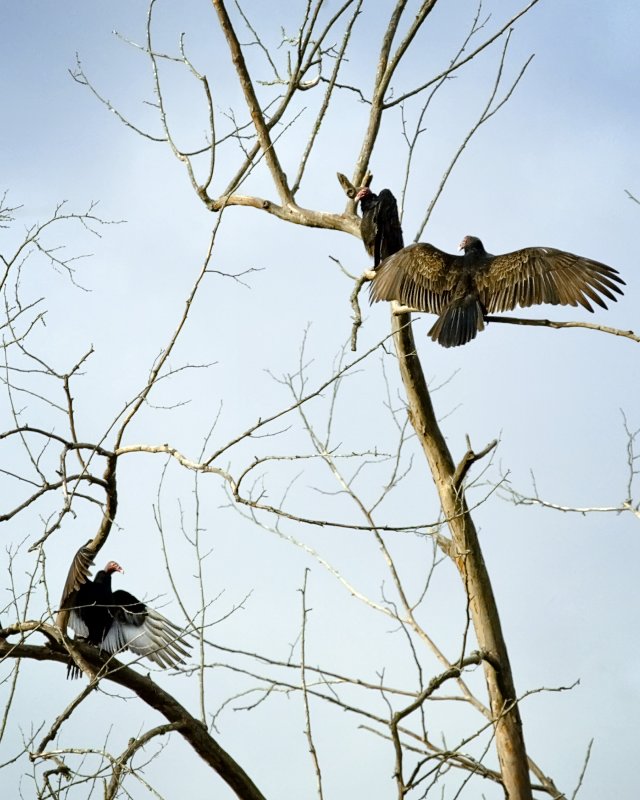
(191, 729)
(135, 745)
(289, 212)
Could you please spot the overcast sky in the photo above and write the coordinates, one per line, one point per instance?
(551, 168)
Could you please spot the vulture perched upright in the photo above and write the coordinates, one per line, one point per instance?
(114, 621)
(380, 226)
(462, 290)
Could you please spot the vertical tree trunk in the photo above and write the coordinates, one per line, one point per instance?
(467, 555)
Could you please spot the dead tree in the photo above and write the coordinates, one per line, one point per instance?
(67, 474)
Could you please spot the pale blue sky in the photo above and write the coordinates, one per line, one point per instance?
(550, 169)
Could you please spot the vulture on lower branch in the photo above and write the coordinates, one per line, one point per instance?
(463, 289)
(380, 226)
(117, 620)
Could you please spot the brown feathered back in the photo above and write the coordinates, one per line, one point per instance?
(419, 276)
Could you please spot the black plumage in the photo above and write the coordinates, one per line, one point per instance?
(380, 226)
(463, 289)
(114, 621)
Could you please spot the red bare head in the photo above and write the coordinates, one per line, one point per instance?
(363, 192)
(113, 566)
(470, 242)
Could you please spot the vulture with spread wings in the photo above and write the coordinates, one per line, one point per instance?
(463, 289)
(114, 621)
(380, 226)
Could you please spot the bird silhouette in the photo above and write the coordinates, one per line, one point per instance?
(463, 289)
(114, 621)
(380, 226)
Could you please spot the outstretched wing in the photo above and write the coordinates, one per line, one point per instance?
(77, 578)
(78, 574)
(420, 276)
(545, 275)
(144, 631)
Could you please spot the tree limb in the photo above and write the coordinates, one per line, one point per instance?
(191, 729)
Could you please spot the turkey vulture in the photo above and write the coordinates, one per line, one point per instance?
(463, 289)
(380, 226)
(117, 620)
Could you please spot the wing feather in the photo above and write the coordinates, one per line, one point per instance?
(78, 574)
(419, 276)
(145, 632)
(545, 275)
(78, 625)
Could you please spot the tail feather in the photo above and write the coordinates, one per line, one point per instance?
(73, 671)
(459, 323)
